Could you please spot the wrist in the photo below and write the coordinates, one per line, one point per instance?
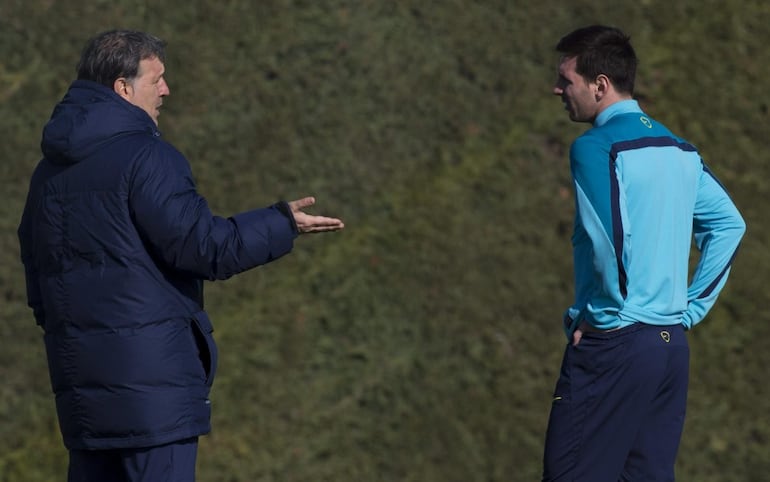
(284, 208)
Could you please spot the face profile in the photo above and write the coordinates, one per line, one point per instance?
(147, 89)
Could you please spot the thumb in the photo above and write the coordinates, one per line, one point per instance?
(302, 203)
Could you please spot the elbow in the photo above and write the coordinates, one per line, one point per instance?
(739, 228)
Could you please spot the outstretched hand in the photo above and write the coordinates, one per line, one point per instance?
(308, 223)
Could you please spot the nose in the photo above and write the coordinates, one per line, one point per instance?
(164, 90)
(557, 90)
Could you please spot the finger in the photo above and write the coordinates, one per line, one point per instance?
(320, 221)
(301, 203)
(324, 221)
(307, 224)
(576, 337)
(305, 219)
(323, 229)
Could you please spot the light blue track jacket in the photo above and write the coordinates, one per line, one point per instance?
(641, 194)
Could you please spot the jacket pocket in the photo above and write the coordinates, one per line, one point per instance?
(207, 347)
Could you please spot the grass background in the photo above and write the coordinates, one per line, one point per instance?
(423, 342)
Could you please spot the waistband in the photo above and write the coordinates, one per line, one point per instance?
(627, 330)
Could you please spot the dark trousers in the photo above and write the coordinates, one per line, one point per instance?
(619, 407)
(174, 462)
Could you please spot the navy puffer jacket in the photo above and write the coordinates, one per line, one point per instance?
(116, 243)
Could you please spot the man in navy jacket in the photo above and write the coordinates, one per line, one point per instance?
(116, 243)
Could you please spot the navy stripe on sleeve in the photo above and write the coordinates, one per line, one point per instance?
(711, 287)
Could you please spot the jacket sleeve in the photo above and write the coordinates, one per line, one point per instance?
(34, 297)
(27, 249)
(718, 228)
(593, 246)
(179, 228)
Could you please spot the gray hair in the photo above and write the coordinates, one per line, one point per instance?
(116, 53)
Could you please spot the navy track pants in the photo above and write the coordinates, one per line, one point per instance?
(619, 407)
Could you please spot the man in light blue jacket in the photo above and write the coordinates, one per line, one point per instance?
(641, 194)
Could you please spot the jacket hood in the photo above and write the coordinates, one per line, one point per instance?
(89, 116)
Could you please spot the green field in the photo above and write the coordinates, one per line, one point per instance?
(422, 343)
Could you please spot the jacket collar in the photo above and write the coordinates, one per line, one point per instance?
(620, 107)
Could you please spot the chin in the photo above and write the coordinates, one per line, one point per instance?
(577, 118)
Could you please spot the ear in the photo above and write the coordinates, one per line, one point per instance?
(603, 86)
(122, 88)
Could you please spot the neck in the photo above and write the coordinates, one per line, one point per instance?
(609, 99)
